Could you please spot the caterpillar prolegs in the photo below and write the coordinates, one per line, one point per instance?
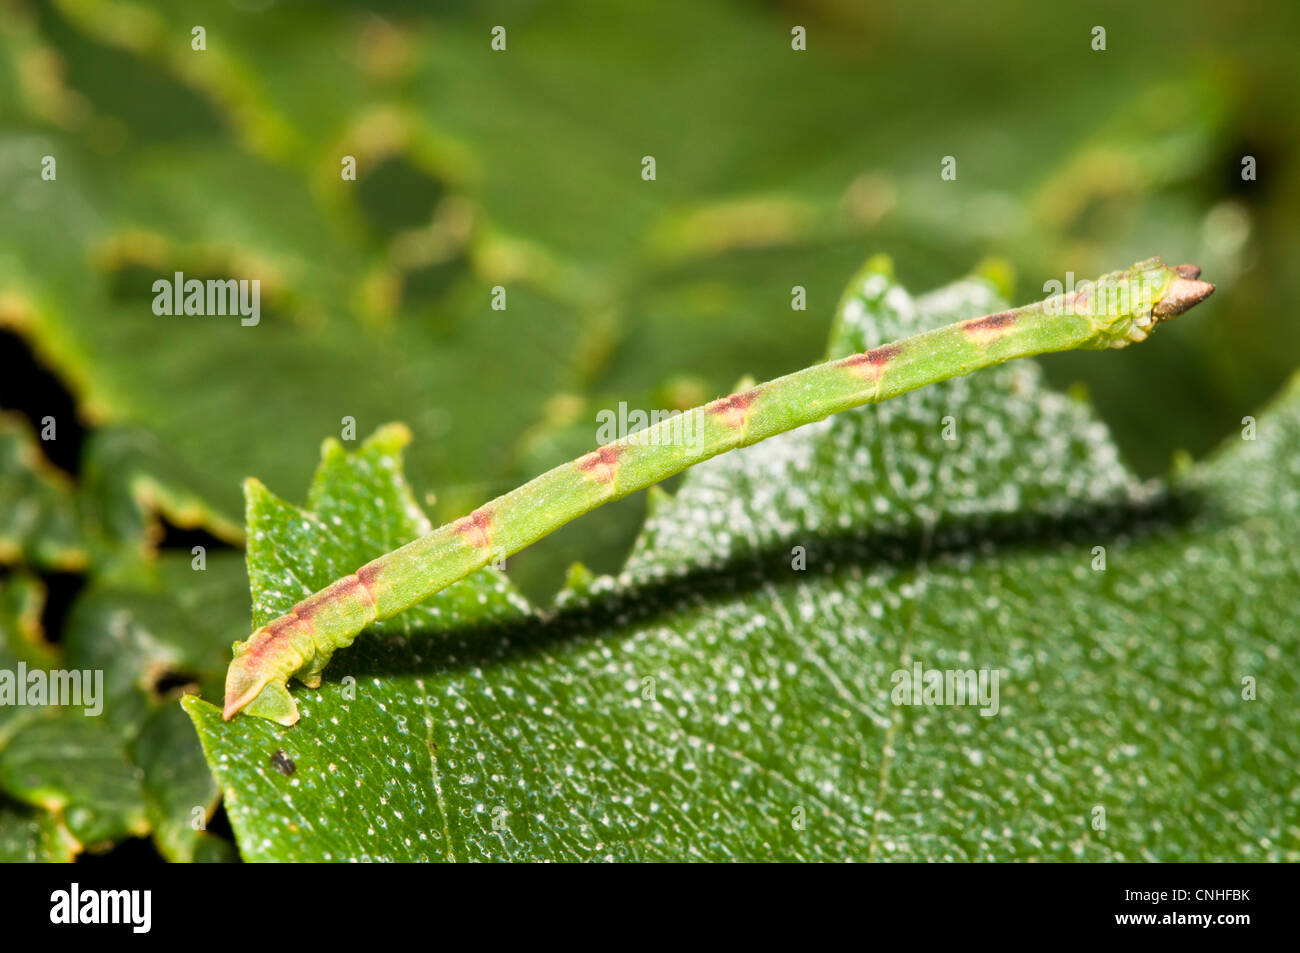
(1117, 309)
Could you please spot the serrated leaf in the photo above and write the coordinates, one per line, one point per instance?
(358, 503)
(723, 699)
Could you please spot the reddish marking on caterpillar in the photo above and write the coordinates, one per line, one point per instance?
(367, 575)
(278, 632)
(601, 465)
(871, 363)
(475, 527)
(341, 589)
(734, 409)
(984, 331)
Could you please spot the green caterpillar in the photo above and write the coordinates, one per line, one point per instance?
(1117, 309)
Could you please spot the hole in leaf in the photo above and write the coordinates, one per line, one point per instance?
(219, 824)
(1267, 155)
(147, 101)
(61, 589)
(432, 281)
(169, 681)
(395, 195)
(175, 537)
(26, 386)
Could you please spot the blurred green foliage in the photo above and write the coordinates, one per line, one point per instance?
(521, 168)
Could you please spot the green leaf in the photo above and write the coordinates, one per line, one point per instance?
(137, 766)
(179, 793)
(358, 503)
(22, 597)
(172, 621)
(129, 482)
(718, 701)
(28, 835)
(303, 356)
(39, 522)
(142, 618)
(76, 767)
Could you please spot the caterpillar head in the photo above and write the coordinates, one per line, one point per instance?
(257, 677)
(270, 700)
